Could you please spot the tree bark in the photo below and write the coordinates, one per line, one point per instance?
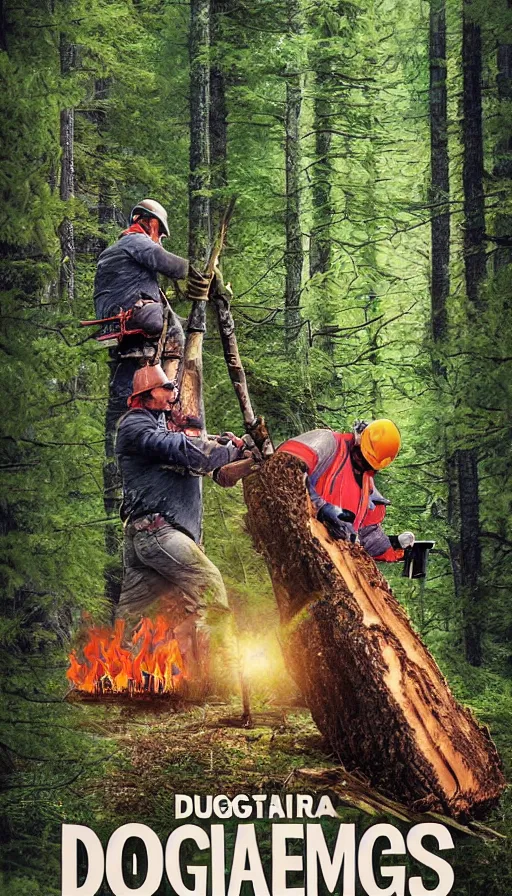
(503, 153)
(470, 553)
(440, 253)
(199, 206)
(473, 164)
(218, 118)
(440, 178)
(199, 178)
(294, 256)
(475, 272)
(320, 249)
(67, 179)
(372, 687)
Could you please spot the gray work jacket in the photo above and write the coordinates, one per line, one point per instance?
(129, 269)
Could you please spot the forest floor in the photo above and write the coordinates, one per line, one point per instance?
(197, 749)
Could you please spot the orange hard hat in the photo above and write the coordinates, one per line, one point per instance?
(147, 378)
(380, 443)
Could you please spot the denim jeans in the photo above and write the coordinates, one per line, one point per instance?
(166, 571)
(163, 564)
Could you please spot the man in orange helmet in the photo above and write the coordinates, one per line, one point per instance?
(162, 510)
(341, 468)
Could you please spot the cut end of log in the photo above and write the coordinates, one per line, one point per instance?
(372, 686)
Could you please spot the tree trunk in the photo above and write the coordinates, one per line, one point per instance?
(473, 165)
(503, 153)
(453, 517)
(106, 202)
(199, 206)
(440, 178)
(218, 119)
(475, 271)
(199, 178)
(294, 252)
(320, 244)
(440, 253)
(112, 486)
(470, 553)
(67, 179)
(372, 687)
(320, 249)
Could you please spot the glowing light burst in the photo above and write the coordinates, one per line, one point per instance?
(261, 659)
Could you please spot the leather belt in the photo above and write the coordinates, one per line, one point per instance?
(149, 523)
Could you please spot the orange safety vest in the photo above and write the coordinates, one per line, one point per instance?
(338, 484)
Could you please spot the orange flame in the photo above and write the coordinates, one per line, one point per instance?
(153, 664)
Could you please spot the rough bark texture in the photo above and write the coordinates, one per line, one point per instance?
(470, 553)
(503, 153)
(218, 117)
(199, 207)
(236, 371)
(475, 272)
(440, 178)
(473, 165)
(294, 252)
(199, 179)
(372, 687)
(320, 249)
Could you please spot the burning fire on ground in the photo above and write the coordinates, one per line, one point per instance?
(153, 664)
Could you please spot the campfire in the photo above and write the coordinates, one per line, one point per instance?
(152, 664)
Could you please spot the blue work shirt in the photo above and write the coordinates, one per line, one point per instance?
(161, 469)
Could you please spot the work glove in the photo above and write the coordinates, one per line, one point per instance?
(197, 285)
(406, 540)
(332, 518)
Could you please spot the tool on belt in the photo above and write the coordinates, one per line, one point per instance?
(122, 319)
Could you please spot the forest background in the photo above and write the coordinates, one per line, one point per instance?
(369, 145)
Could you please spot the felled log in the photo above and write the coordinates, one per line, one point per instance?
(373, 688)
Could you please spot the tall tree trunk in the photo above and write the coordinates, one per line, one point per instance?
(112, 486)
(440, 251)
(199, 204)
(473, 165)
(503, 152)
(294, 251)
(218, 118)
(320, 250)
(199, 178)
(475, 271)
(67, 179)
(470, 553)
(440, 177)
(320, 245)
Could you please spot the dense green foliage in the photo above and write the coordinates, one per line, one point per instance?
(365, 346)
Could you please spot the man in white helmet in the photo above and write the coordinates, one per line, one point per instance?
(127, 280)
(127, 272)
